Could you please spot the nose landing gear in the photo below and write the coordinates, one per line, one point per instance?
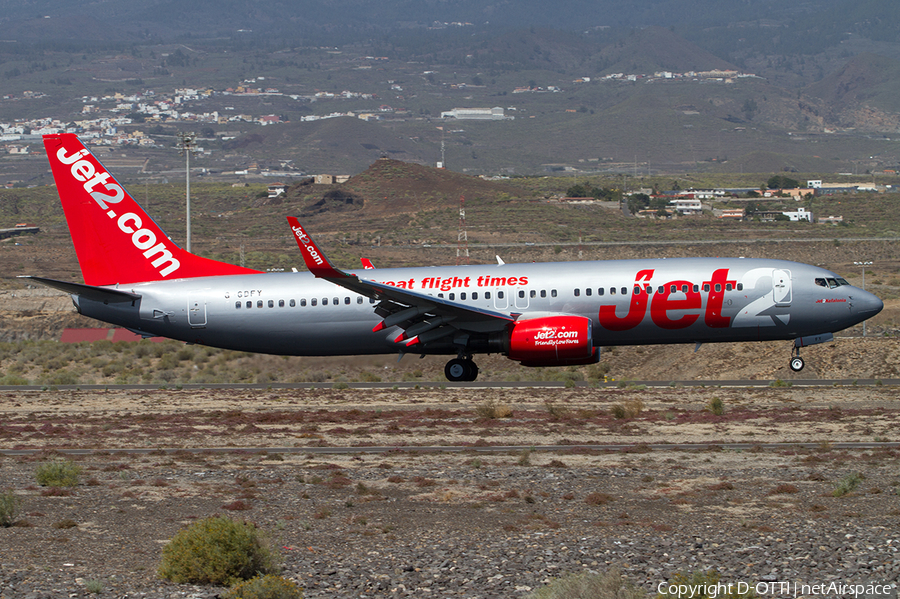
(796, 361)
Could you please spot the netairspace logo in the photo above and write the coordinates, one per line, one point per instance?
(780, 588)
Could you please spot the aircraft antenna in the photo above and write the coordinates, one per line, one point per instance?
(462, 239)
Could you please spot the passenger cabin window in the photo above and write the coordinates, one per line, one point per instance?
(359, 299)
(346, 301)
(706, 287)
(522, 293)
(237, 305)
(462, 296)
(487, 295)
(533, 294)
(451, 296)
(324, 301)
(577, 292)
(600, 291)
(312, 302)
(553, 293)
(281, 303)
(500, 295)
(259, 303)
(249, 304)
(624, 290)
(272, 303)
(588, 291)
(337, 301)
(474, 295)
(637, 290)
(612, 290)
(543, 293)
(293, 303)
(728, 287)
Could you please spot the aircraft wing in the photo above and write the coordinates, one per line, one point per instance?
(422, 317)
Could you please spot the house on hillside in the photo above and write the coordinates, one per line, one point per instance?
(686, 206)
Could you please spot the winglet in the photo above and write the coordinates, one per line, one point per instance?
(315, 259)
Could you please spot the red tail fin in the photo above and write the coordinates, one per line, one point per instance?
(115, 240)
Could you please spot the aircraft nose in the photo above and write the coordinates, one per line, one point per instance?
(868, 304)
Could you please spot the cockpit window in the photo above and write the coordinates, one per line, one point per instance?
(821, 283)
(842, 281)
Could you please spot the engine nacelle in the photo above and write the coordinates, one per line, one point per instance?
(559, 340)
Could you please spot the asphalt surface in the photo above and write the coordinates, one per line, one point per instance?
(474, 385)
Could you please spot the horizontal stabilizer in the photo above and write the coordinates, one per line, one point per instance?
(99, 294)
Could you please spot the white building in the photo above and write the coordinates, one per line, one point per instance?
(800, 214)
(686, 206)
(476, 114)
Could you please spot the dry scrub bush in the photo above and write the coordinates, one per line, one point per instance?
(490, 409)
(58, 473)
(593, 585)
(629, 409)
(216, 550)
(268, 586)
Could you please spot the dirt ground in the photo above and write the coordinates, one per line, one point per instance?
(470, 524)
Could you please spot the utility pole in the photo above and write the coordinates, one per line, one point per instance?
(187, 144)
(462, 238)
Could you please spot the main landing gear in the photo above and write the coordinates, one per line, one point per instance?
(461, 369)
(796, 361)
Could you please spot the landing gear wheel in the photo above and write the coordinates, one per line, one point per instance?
(458, 370)
(797, 364)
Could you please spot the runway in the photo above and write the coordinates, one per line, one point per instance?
(476, 385)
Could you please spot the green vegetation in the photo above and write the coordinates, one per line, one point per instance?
(58, 473)
(848, 484)
(93, 586)
(9, 508)
(267, 586)
(590, 585)
(717, 406)
(216, 550)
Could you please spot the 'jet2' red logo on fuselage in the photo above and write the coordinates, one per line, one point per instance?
(662, 302)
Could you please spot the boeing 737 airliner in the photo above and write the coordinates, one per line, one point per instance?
(552, 314)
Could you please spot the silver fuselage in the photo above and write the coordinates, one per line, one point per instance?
(630, 302)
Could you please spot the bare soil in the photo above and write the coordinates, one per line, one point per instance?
(471, 524)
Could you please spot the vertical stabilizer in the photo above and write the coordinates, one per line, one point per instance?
(115, 240)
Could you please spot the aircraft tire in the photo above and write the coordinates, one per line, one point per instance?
(456, 370)
(797, 364)
(459, 370)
